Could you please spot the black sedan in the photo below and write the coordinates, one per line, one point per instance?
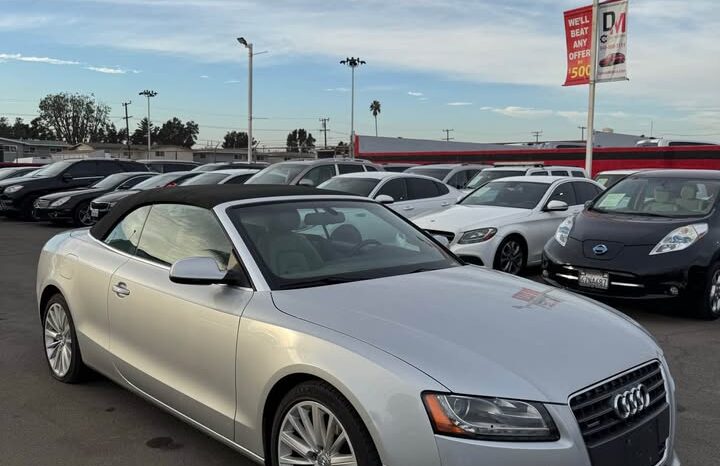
(74, 205)
(655, 234)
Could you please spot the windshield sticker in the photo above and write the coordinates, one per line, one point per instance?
(536, 298)
(612, 200)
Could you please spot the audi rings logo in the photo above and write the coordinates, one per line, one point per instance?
(631, 402)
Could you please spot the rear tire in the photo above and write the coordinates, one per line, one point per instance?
(317, 405)
(511, 256)
(62, 351)
(707, 307)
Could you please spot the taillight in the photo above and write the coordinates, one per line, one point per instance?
(171, 185)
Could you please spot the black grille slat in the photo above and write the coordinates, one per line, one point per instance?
(449, 235)
(593, 408)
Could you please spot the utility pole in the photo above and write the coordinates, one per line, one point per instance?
(447, 134)
(353, 63)
(582, 132)
(537, 135)
(324, 129)
(127, 126)
(148, 93)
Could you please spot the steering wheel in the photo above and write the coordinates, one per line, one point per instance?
(368, 242)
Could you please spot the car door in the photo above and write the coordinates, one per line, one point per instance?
(176, 342)
(81, 174)
(424, 196)
(397, 189)
(544, 223)
(318, 175)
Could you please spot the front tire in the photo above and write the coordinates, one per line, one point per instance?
(62, 352)
(81, 215)
(511, 256)
(315, 425)
(708, 306)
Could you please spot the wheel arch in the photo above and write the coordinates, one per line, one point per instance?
(48, 292)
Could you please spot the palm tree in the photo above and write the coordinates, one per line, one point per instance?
(375, 109)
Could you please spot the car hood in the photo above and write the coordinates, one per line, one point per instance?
(24, 180)
(625, 230)
(459, 218)
(481, 332)
(115, 196)
(76, 193)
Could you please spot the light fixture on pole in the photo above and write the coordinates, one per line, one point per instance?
(249, 46)
(148, 93)
(353, 63)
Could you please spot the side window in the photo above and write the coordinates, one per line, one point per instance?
(240, 179)
(564, 193)
(124, 237)
(173, 232)
(419, 188)
(585, 191)
(458, 180)
(371, 168)
(349, 168)
(442, 188)
(133, 181)
(131, 166)
(539, 173)
(83, 169)
(559, 173)
(396, 189)
(577, 174)
(107, 168)
(320, 174)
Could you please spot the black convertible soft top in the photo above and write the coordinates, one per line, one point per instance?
(205, 196)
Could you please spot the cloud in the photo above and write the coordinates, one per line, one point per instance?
(204, 76)
(106, 70)
(459, 104)
(337, 89)
(423, 99)
(47, 60)
(232, 81)
(415, 94)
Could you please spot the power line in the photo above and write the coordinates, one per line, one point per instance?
(324, 129)
(537, 135)
(127, 122)
(582, 132)
(447, 134)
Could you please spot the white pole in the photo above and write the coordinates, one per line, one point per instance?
(352, 115)
(591, 93)
(250, 101)
(148, 127)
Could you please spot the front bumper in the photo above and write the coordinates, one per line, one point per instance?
(52, 213)
(634, 276)
(8, 204)
(478, 253)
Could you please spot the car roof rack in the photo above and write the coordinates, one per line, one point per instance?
(520, 164)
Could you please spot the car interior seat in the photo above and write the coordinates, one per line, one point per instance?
(688, 198)
(661, 203)
(287, 252)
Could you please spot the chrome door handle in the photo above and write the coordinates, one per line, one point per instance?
(445, 204)
(121, 290)
(408, 208)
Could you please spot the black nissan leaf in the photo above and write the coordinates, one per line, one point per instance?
(655, 234)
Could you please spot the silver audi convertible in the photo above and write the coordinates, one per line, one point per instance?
(306, 327)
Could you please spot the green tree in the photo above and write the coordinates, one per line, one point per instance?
(299, 140)
(139, 136)
(375, 109)
(39, 130)
(175, 132)
(236, 140)
(74, 118)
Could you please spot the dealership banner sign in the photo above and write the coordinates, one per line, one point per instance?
(611, 51)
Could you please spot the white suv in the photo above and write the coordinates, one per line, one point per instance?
(500, 171)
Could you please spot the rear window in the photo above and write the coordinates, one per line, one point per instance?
(437, 173)
(358, 186)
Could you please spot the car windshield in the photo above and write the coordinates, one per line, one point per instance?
(13, 173)
(111, 181)
(660, 197)
(516, 194)
(159, 181)
(489, 175)
(608, 180)
(324, 242)
(54, 168)
(359, 186)
(282, 173)
(437, 173)
(205, 178)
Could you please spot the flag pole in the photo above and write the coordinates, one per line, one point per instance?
(591, 93)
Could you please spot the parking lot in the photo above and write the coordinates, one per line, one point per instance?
(100, 423)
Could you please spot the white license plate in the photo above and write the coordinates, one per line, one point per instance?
(94, 213)
(591, 279)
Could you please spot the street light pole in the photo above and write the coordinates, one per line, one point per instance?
(249, 47)
(353, 63)
(148, 93)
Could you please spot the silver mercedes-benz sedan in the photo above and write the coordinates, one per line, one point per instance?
(305, 327)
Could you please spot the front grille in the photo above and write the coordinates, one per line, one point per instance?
(594, 408)
(446, 234)
(100, 205)
(42, 203)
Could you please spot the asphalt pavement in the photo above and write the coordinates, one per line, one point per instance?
(98, 423)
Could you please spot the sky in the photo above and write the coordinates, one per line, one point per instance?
(491, 70)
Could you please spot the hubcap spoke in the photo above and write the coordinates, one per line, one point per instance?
(343, 460)
(58, 341)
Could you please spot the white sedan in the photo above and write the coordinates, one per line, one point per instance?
(409, 195)
(506, 223)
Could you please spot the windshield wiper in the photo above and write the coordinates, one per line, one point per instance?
(319, 282)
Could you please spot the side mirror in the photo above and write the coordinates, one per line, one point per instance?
(556, 206)
(384, 199)
(67, 177)
(589, 204)
(442, 240)
(307, 182)
(197, 271)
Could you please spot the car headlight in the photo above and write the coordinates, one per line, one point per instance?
(477, 236)
(60, 201)
(489, 418)
(13, 189)
(563, 231)
(680, 238)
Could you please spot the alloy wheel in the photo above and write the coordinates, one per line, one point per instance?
(311, 435)
(58, 339)
(714, 295)
(84, 216)
(511, 257)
